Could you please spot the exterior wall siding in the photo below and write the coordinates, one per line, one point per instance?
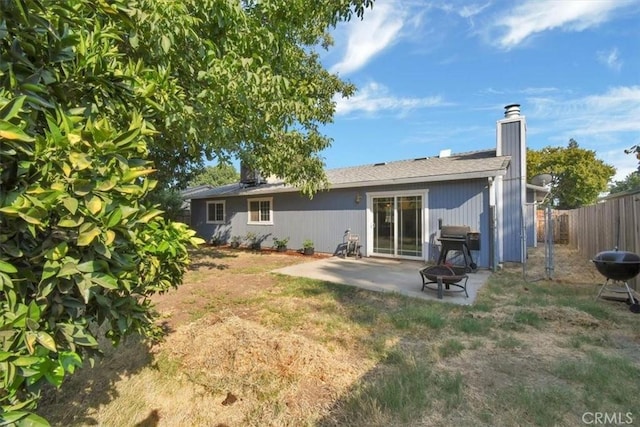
(513, 191)
(460, 203)
(322, 219)
(325, 218)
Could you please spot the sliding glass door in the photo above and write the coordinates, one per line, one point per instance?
(398, 225)
(409, 235)
(383, 231)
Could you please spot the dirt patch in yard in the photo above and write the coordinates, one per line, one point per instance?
(567, 266)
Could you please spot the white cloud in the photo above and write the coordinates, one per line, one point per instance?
(370, 36)
(538, 90)
(624, 163)
(617, 110)
(536, 16)
(607, 123)
(374, 98)
(611, 59)
(471, 10)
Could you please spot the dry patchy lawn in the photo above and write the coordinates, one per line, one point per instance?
(247, 347)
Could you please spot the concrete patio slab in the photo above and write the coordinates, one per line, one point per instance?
(384, 275)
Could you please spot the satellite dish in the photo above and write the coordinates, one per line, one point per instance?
(542, 179)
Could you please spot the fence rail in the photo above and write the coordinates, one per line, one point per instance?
(612, 223)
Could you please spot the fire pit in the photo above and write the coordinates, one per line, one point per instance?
(618, 266)
(444, 276)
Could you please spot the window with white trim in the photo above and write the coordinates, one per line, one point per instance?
(216, 212)
(260, 211)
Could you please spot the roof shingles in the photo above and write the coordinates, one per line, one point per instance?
(478, 164)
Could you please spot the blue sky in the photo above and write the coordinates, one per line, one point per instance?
(434, 75)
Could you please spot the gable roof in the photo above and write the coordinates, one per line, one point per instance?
(472, 165)
(478, 164)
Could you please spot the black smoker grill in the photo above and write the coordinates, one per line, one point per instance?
(619, 266)
(459, 238)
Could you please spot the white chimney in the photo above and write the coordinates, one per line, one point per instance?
(445, 153)
(512, 110)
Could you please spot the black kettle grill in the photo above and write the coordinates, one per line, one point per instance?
(619, 266)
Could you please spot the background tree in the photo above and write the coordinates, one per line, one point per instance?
(578, 176)
(220, 174)
(630, 182)
(172, 200)
(90, 92)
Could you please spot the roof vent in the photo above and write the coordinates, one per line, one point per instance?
(512, 110)
(420, 158)
(445, 153)
(380, 164)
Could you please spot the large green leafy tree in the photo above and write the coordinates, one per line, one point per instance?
(95, 97)
(215, 78)
(578, 176)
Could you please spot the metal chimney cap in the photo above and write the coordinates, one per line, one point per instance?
(512, 110)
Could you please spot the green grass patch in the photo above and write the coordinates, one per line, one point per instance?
(482, 307)
(529, 300)
(418, 314)
(509, 343)
(527, 317)
(365, 314)
(395, 357)
(580, 340)
(304, 288)
(540, 406)
(399, 392)
(511, 325)
(451, 347)
(555, 290)
(286, 318)
(606, 381)
(596, 308)
(167, 365)
(451, 387)
(473, 325)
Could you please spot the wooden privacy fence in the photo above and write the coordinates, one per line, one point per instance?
(560, 226)
(614, 222)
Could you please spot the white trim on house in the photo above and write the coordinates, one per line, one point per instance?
(260, 211)
(419, 180)
(369, 249)
(224, 212)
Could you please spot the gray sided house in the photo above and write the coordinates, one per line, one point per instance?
(396, 208)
